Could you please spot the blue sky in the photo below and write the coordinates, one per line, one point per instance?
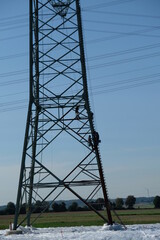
(122, 50)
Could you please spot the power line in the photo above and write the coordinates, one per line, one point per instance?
(107, 55)
(151, 82)
(13, 37)
(25, 80)
(101, 65)
(12, 94)
(132, 50)
(127, 87)
(126, 81)
(110, 84)
(108, 4)
(137, 58)
(136, 33)
(121, 35)
(96, 30)
(125, 72)
(12, 28)
(121, 24)
(14, 22)
(13, 108)
(11, 82)
(11, 56)
(4, 104)
(123, 14)
(14, 73)
(14, 17)
(85, 20)
(98, 40)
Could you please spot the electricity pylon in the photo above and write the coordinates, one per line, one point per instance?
(60, 124)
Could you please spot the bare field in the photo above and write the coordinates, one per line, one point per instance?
(66, 219)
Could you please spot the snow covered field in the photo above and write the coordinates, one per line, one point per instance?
(134, 232)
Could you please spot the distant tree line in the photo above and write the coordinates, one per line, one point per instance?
(128, 203)
(39, 206)
(98, 204)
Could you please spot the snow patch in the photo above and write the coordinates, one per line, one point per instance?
(25, 229)
(114, 227)
(134, 232)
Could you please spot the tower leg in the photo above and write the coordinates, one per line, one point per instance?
(107, 204)
(22, 171)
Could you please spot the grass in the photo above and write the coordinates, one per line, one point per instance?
(140, 216)
(67, 219)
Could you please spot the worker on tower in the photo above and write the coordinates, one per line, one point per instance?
(77, 112)
(90, 143)
(96, 138)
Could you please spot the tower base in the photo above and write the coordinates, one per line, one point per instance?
(114, 227)
(13, 232)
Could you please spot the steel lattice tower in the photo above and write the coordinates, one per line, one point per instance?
(59, 114)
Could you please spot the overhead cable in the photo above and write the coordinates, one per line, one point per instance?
(127, 60)
(126, 87)
(124, 52)
(122, 14)
(106, 4)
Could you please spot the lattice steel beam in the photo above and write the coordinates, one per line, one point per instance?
(58, 107)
